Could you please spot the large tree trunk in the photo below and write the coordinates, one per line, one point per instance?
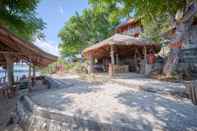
(171, 63)
(180, 38)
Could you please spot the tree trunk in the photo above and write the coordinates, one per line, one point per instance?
(172, 62)
(180, 39)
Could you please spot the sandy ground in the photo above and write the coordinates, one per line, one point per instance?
(8, 109)
(149, 84)
(7, 106)
(114, 103)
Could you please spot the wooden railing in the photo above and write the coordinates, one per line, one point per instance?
(113, 69)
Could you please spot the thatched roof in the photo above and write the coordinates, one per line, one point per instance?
(22, 50)
(123, 43)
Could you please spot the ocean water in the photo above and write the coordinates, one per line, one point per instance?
(19, 71)
(17, 74)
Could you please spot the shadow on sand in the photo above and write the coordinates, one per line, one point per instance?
(169, 114)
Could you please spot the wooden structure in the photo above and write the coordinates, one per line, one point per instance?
(13, 49)
(131, 27)
(116, 49)
(124, 51)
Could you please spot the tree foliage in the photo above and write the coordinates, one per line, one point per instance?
(97, 22)
(84, 30)
(19, 16)
(156, 15)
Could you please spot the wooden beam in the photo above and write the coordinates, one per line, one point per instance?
(3, 64)
(36, 59)
(14, 53)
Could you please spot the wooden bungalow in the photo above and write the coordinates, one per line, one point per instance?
(120, 54)
(13, 49)
(123, 52)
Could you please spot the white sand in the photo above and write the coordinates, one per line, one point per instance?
(114, 103)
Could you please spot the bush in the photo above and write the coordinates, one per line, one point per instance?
(76, 67)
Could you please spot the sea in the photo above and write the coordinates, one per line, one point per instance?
(20, 69)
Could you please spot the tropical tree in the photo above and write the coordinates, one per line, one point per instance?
(156, 15)
(20, 17)
(84, 30)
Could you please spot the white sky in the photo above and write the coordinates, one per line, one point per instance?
(47, 46)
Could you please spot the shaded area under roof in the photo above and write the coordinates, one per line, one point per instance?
(19, 49)
(125, 45)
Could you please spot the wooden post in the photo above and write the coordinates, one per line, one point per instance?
(135, 59)
(29, 71)
(10, 72)
(9, 69)
(30, 83)
(34, 71)
(4, 80)
(163, 52)
(34, 75)
(146, 67)
(112, 55)
(145, 54)
(91, 63)
(117, 59)
(111, 68)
